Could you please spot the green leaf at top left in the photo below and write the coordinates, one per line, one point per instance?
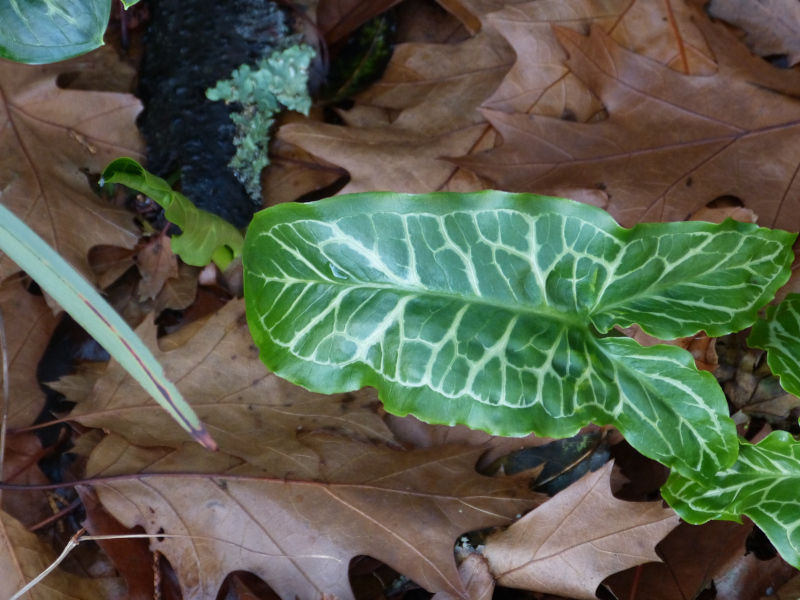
(48, 31)
(483, 308)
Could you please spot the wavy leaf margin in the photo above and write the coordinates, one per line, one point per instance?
(478, 309)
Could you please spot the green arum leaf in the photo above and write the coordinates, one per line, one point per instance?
(67, 287)
(763, 484)
(479, 309)
(205, 236)
(779, 335)
(47, 31)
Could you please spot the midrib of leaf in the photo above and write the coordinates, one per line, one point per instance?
(630, 405)
(561, 317)
(534, 249)
(542, 310)
(391, 532)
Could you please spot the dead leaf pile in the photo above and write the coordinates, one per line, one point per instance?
(648, 108)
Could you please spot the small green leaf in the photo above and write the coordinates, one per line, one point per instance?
(47, 31)
(129, 3)
(763, 484)
(479, 309)
(205, 236)
(779, 335)
(57, 277)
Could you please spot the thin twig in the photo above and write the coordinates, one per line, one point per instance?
(55, 517)
(74, 541)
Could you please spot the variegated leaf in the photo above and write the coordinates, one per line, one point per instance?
(480, 309)
(47, 31)
(779, 335)
(762, 484)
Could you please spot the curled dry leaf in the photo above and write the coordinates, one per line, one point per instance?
(298, 530)
(578, 538)
(51, 137)
(667, 148)
(246, 408)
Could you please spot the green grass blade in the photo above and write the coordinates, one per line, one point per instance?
(95, 315)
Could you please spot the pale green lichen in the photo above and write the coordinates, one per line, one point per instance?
(279, 82)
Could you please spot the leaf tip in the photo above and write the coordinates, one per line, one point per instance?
(202, 437)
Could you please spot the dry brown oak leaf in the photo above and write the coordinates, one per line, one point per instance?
(23, 556)
(337, 19)
(437, 88)
(772, 26)
(693, 556)
(476, 577)
(250, 412)
(50, 139)
(582, 535)
(29, 324)
(472, 13)
(540, 82)
(672, 142)
(425, 106)
(157, 264)
(299, 531)
(433, 92)
(293, 173)
(20, 466)
(131, 556)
